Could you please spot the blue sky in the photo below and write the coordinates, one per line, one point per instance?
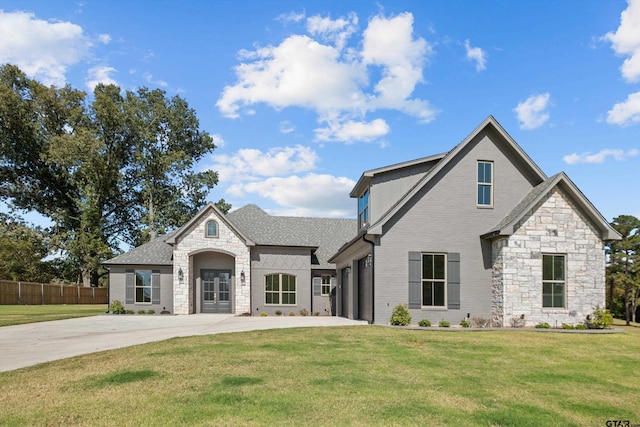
(302, 97)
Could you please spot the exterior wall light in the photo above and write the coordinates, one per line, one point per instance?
(242, 277)
(180, 274)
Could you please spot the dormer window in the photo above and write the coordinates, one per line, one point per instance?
(485, 183)
(363, 209)
(211, 229)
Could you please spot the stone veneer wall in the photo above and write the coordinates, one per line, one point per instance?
(554, 226)
(194, 240)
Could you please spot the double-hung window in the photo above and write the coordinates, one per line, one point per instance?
(143, 287)
(212, 229)
(326, 285)
(434, 280)
(553, 281)
(280, 289)
(485, 183)
(363, 209)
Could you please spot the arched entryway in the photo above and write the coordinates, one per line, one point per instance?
(213, 282)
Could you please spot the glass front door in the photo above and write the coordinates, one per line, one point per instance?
(216, 291)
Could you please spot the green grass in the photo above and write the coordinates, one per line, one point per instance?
(338, 376)
(21, 314)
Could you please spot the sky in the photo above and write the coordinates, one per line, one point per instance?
(302, 97)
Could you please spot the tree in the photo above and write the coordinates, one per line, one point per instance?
(118, 168)
(623, 272)
(22, 250)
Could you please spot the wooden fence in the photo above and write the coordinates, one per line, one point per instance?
(41, 293)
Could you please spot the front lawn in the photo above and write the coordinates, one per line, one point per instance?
(338, 376)
(20, 314)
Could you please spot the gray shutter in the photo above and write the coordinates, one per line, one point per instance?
(129, 285)
(453, 280)
(415, 279)
(317, 286)
(155, 287)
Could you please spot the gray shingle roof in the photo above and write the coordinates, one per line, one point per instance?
(155, 252)
(326, 234)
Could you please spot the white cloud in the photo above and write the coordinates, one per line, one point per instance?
(327, 77)
(626, 112)
(249, 164)
(217, 140)
(477, 55)
(312, 195)
(99, 74)
(532, 112)
(626, 41)
(149, 78)
(616, 154)
(104, 38)
(286, 127)
(42, 49)
(351, 131)
(290, 17)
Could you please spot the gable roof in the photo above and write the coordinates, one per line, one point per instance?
(489, 123)
(507, 225)
(325, 235)
(204, 211)
(155, 252)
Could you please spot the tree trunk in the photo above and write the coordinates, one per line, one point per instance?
(86, 278)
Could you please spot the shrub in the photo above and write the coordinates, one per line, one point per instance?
(130, 312)
(151, 312)
(116, 307)
(543, 325)
(141, 312)
(517, 321)
(480, 322)
(316, 313)
(568, 326)
(278, 313)
(599, 319)
(263, 314)
(400, 315)
(465, 323)
(291, 313)
(304, 312)
(425, 323)
(444, 324)
(581, 326)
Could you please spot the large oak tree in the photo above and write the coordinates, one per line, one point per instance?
(112, 168)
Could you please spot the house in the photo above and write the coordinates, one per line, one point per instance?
(245, 262)
(479, 231)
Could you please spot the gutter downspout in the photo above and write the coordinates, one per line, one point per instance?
(373, 275)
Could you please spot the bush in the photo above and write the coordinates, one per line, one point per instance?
(581, 326)
(263, 314)
(116, 307)
(400, 315)
(599, 319)
(425, 323)
(517, 321)
(291, 313)
(278, 313)
(568, 326)
(480, 322)
(151, 312)
(444, 324)
(141, 312)
(316, 313)
(543, 325)
(130, 312)
(304, 312)
(465, 323)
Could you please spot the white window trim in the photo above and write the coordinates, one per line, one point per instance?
(445, 280)
(136, 287)
(322, 285)
(491, 184)
(564, 283)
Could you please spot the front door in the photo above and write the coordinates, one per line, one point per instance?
(216, 291)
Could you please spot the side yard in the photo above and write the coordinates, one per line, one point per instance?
(20, 314)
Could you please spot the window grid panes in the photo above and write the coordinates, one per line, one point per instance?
(553, 281)
(434, 279)
(485, 183)
(280, 289)
(326, 285)
(143, 286)
(212, 229)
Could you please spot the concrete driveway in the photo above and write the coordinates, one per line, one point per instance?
(26, 345)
